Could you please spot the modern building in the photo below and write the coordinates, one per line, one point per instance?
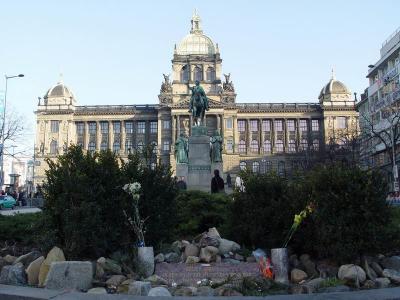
(379, 111)
(259, 136)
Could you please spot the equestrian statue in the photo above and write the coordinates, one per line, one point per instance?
(198, 104)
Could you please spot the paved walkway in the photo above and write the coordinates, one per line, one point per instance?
(8, 292)
(19, 210)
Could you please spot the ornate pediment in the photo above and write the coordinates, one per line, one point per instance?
(185, 104)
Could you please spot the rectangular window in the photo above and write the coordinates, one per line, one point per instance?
(166, 124)
(279, 146)
(153, 126)
(241, 126)
(315, 125)
(266, 125)
(229, 145)
(166, 146)
(253, 125)
(303, 125)
(54, 126)
(341, 122)
(278, 125)
(290, 125)
(292, 146)
(104, 127)
(129, 127)
(128, 146)
(80, 128)
(92, 128)
(117, 127)
(141, 127)
(228, 123)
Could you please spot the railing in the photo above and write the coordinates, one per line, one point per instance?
(272, 106)
(116, 107)
(390, 42)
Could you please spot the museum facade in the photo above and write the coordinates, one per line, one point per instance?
(258, 136)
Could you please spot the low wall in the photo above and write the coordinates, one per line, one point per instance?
(8, 292)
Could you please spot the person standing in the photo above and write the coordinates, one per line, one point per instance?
(181, 184)
(229, 180)
(217, 183)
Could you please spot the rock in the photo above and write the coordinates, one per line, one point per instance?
(226, 246)
(123, 288)
(186, 291)
(327, 270)
(109, 266)
(213, 232)
(298, 275)
(315, 283)
(192, 260)
(251, 259)
(177, 247)
(393, 275)
(369, 284)
(296, 289)
(352, 274)
(382, 282)
(172, 257)
(191, 250)
(205, 291)
(377, 268)
(33, 269)
(13, 275)
(218, 259)
(97, 290)
(9, 259)
(115, 280)
(139, 288)
(26, 259)
(99, 273)
(159, 292)
(391, 263)
(55, 255)
(156, 280)
(3, 263)
(335, 289)
(159, 258)
(207, 240)
(238, 257)
(368, 271)
(308, 265)
(69, 275)
(208, 254)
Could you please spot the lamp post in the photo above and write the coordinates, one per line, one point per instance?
(2, 130)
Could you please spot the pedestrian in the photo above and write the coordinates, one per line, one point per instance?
(217, 183)
(239, 184)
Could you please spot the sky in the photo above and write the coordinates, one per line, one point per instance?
(115, 52)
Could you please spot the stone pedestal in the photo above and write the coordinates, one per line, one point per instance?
(182, 170)
(199, 167)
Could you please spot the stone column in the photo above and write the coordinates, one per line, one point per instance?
(190, 124)
(110, 135)
(98, 135)
(222, 125)
(248, 133)
(218, 123)
(298, 135)
(123, 137)
(178, 126)
(173, 122)
(235, 134)
(260, 136)
(273, 137)
(86, 137)
(285, 136)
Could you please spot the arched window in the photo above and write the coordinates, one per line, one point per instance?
(185, 74)
(92, 147)
(279, 146)
(292, 146)
(256, 167)
(242, 146)
(242, 165)
(315, 144)
(198, 74)
(267, 146)
(53, 147)
(254, 146)
(210, 74)
(116, 146)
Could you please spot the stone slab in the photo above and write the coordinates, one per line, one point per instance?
(182, 170)
(191, 274)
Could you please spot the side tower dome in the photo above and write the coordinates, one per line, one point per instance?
(59, 94)
(334, 90)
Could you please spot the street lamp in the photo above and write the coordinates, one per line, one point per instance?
(2, 130)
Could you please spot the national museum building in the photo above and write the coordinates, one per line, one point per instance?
(259, 136)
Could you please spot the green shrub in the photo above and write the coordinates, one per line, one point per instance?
(20, 228)
(351, 217)
(263, 214)
(198, 211)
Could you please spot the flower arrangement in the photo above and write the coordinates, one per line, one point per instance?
(297, 221)
(136, 222)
